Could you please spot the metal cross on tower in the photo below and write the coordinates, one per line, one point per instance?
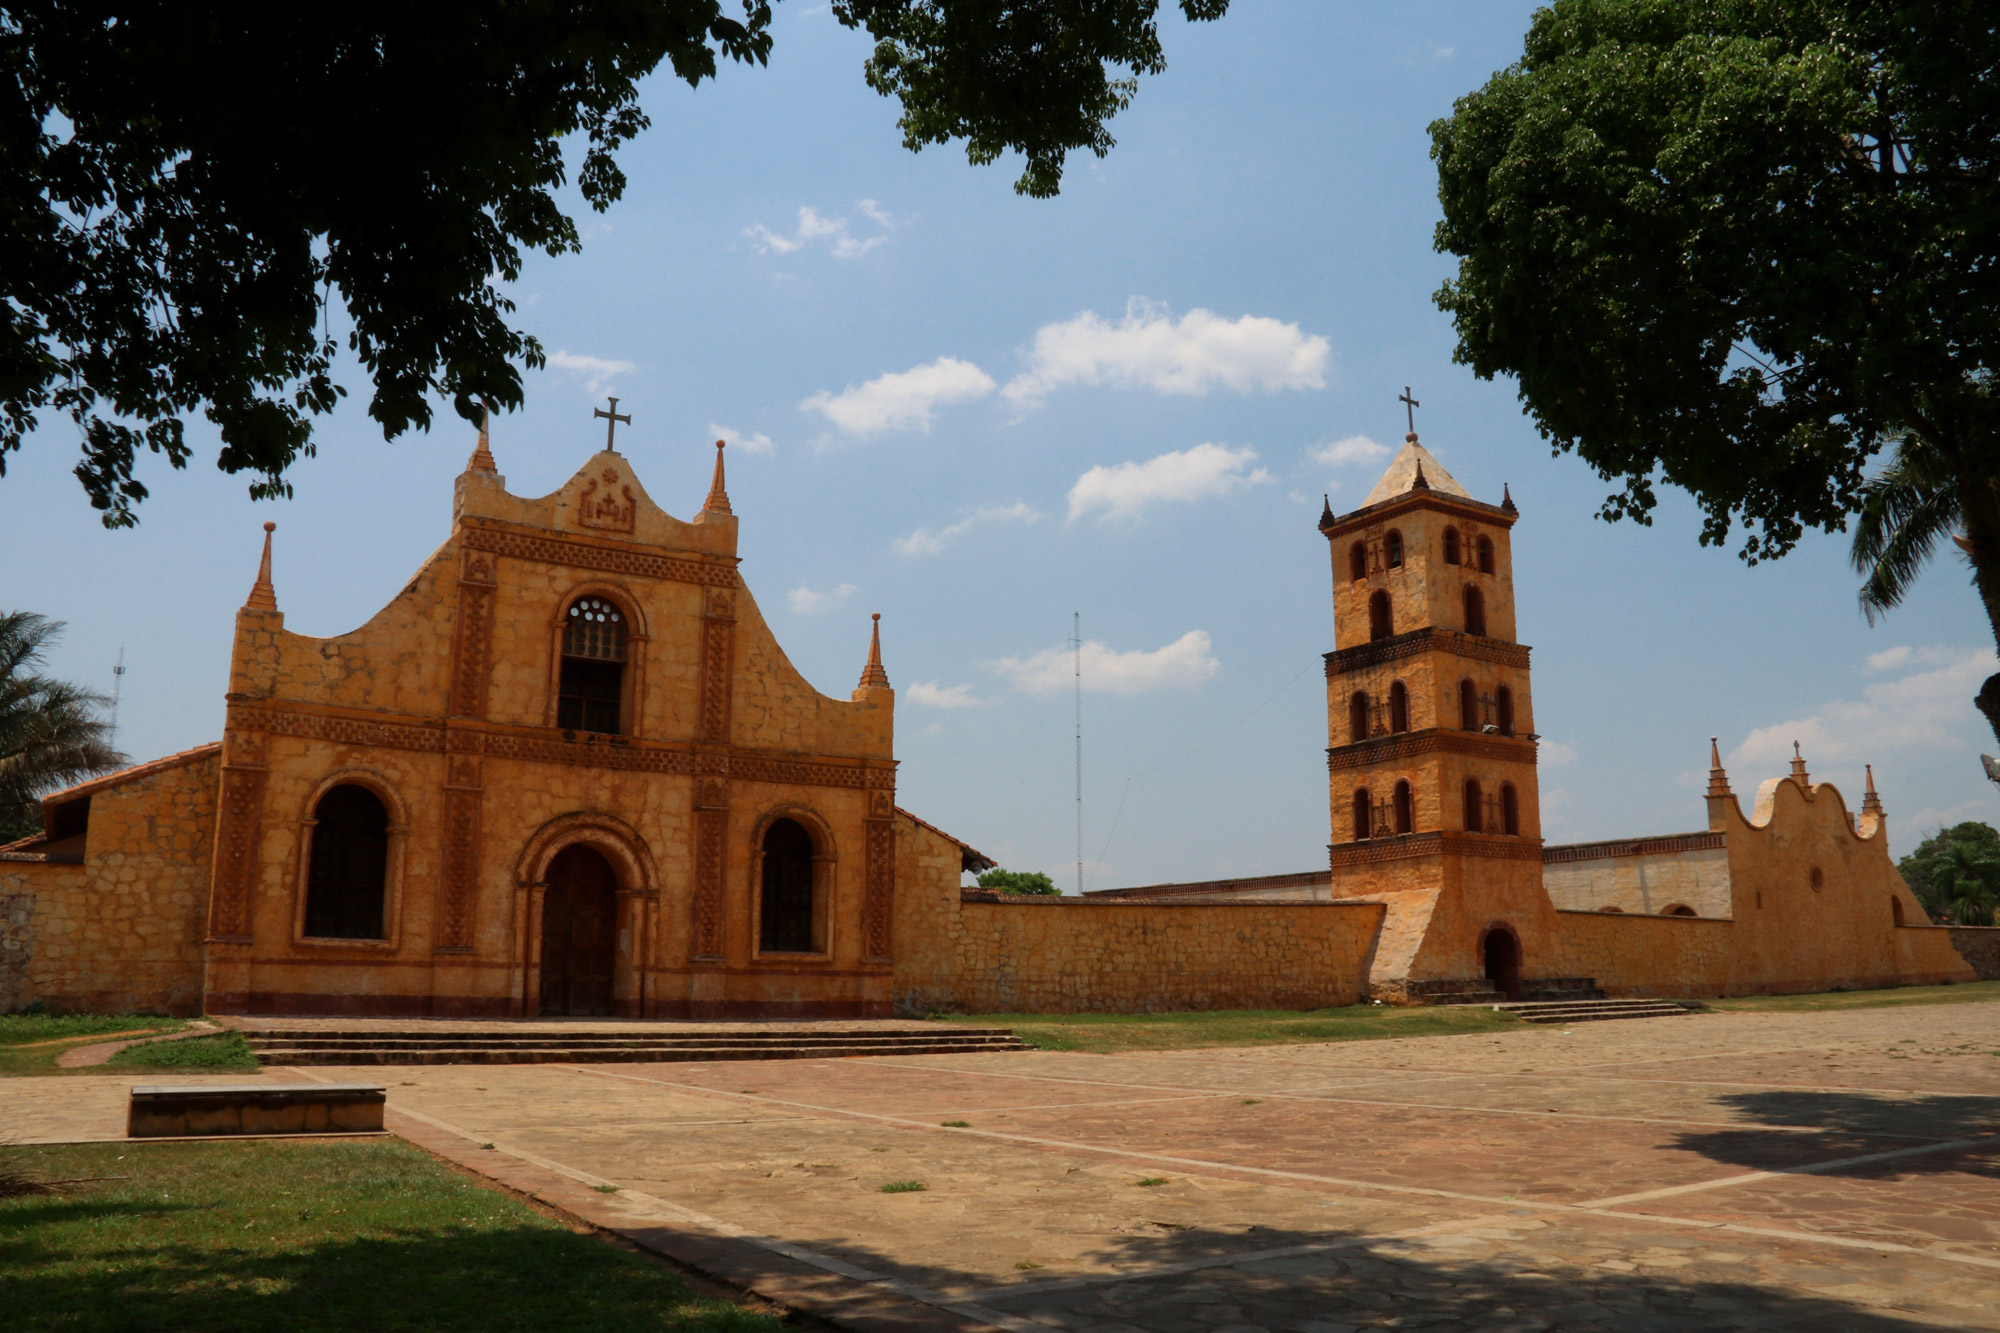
(612, 418)
(1410, 406)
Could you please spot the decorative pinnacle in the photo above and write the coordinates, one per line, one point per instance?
(718, 499)
(873, 674)
(1507, 500)
(1325, 511)
(263, 597)
(1799, 769)
(1871, 804)
(1419, 484)
(1718, 781)
(482, 454)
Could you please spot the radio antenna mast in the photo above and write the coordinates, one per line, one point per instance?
(1076, 642)
(117, 682)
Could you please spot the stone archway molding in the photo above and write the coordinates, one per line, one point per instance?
(638, 900)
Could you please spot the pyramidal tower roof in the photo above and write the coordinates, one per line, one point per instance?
(1402, 475)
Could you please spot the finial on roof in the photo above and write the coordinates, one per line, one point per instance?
(263, 597)
(1799, 769)
(1325, 511)
(1871, 804)
(1419, 484)
(482, 453)
(1718, 781)
(873, 674)
(718, 499)
(1507, 500)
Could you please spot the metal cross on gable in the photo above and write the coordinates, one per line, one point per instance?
(612, 418)
(1410, 406)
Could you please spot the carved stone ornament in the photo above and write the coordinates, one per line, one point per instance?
(610, 507)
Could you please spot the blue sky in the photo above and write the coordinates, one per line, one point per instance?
(978, 413)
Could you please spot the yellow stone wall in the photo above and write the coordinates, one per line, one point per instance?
(1642, 882)
(123, 930)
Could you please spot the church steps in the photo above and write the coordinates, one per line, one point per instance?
(320, 1047)
(1591, 1011)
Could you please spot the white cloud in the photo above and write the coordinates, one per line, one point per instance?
(902, 400)
(1200, 473)
(929, 694)
(749, 442)
(808, 602)
(835, 232)
(1554, 754)
(596, 372)
(1345, 453)
(926, 542)
(1182, 664)
(1924, 705)
(1151, 349)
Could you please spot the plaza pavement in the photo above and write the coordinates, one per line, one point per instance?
(1810, 1171)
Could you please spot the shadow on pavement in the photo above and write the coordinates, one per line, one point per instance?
(1854, 1125)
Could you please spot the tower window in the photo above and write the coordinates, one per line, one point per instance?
(1392, 549)
(592, 684)
(1468, 706)
(349, 865)
(1357, 717)
(1403, 812)
(1486, 555)
(1362, 811)
(1357, 562)
(1503, 700)
(1510, 810)
(1451, 546)
(1380, 624)
(1475, 807)
(1399, 708)
(1475, 610)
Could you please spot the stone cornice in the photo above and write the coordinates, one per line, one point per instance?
(1343, 661)
(1433, 740)
(1407, 846)
(549, 746)
(550, 547)
(1384, 510)
(1666, 843)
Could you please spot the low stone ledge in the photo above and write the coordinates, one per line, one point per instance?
(161, 1110)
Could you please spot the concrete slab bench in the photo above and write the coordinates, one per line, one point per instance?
(165, 1110)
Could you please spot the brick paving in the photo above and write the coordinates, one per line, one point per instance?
(1752, 1171)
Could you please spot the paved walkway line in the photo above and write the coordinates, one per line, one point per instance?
(1810, 1169)
(1816, 1238)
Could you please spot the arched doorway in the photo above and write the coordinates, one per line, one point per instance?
(579, 933)
(1503, 961)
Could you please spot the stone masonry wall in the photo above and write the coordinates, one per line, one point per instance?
(1979, 946)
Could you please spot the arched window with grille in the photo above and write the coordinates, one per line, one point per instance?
(1399, 707)
(1451, 554)
(348, 865)
(1475, 610)
(591, 690)
(1486, 555)
(1468, 706)
(1363, 810)
(1392, 549)
(1503, 706)
(1510, 809)
(1380, 624)
(1357, 562)
(1475, 807)
(785, 910)
(1404, 814)
(1357, 716)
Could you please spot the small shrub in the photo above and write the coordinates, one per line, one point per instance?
(904, 1187)
(1150, 1181)
(956, 1124)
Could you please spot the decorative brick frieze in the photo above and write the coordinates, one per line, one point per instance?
(472, 643)
(1345, 661)
(1409, 845)
(879, 901)
(1660, 846)
(556, 549)
(711, 836)
(459, 865)
(239, 827)
(1438, 740)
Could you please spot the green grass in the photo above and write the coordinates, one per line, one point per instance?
(321, 1238)
(1974, 992)
(223, 1053)
(21, 1029)
(1108, 1033)
(904, 1187)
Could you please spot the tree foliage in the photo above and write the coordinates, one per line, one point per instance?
(187, 194)
(1738, 246)
(51, 734)
(1955, 874)
(1018, 881)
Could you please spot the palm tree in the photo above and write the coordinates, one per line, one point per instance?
(51, 734)
(1905, 510)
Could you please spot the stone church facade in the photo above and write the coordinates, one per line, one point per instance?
(568, 771)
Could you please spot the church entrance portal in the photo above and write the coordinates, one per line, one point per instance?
(1503, 961)
(579, 934)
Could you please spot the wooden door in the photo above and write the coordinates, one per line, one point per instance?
(579, 934)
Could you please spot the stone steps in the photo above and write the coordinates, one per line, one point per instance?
(1590, 1011)
(321, 1046)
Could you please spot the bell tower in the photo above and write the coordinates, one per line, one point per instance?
(1431, 743)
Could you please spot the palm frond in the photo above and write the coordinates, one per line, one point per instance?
(1906, 510)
